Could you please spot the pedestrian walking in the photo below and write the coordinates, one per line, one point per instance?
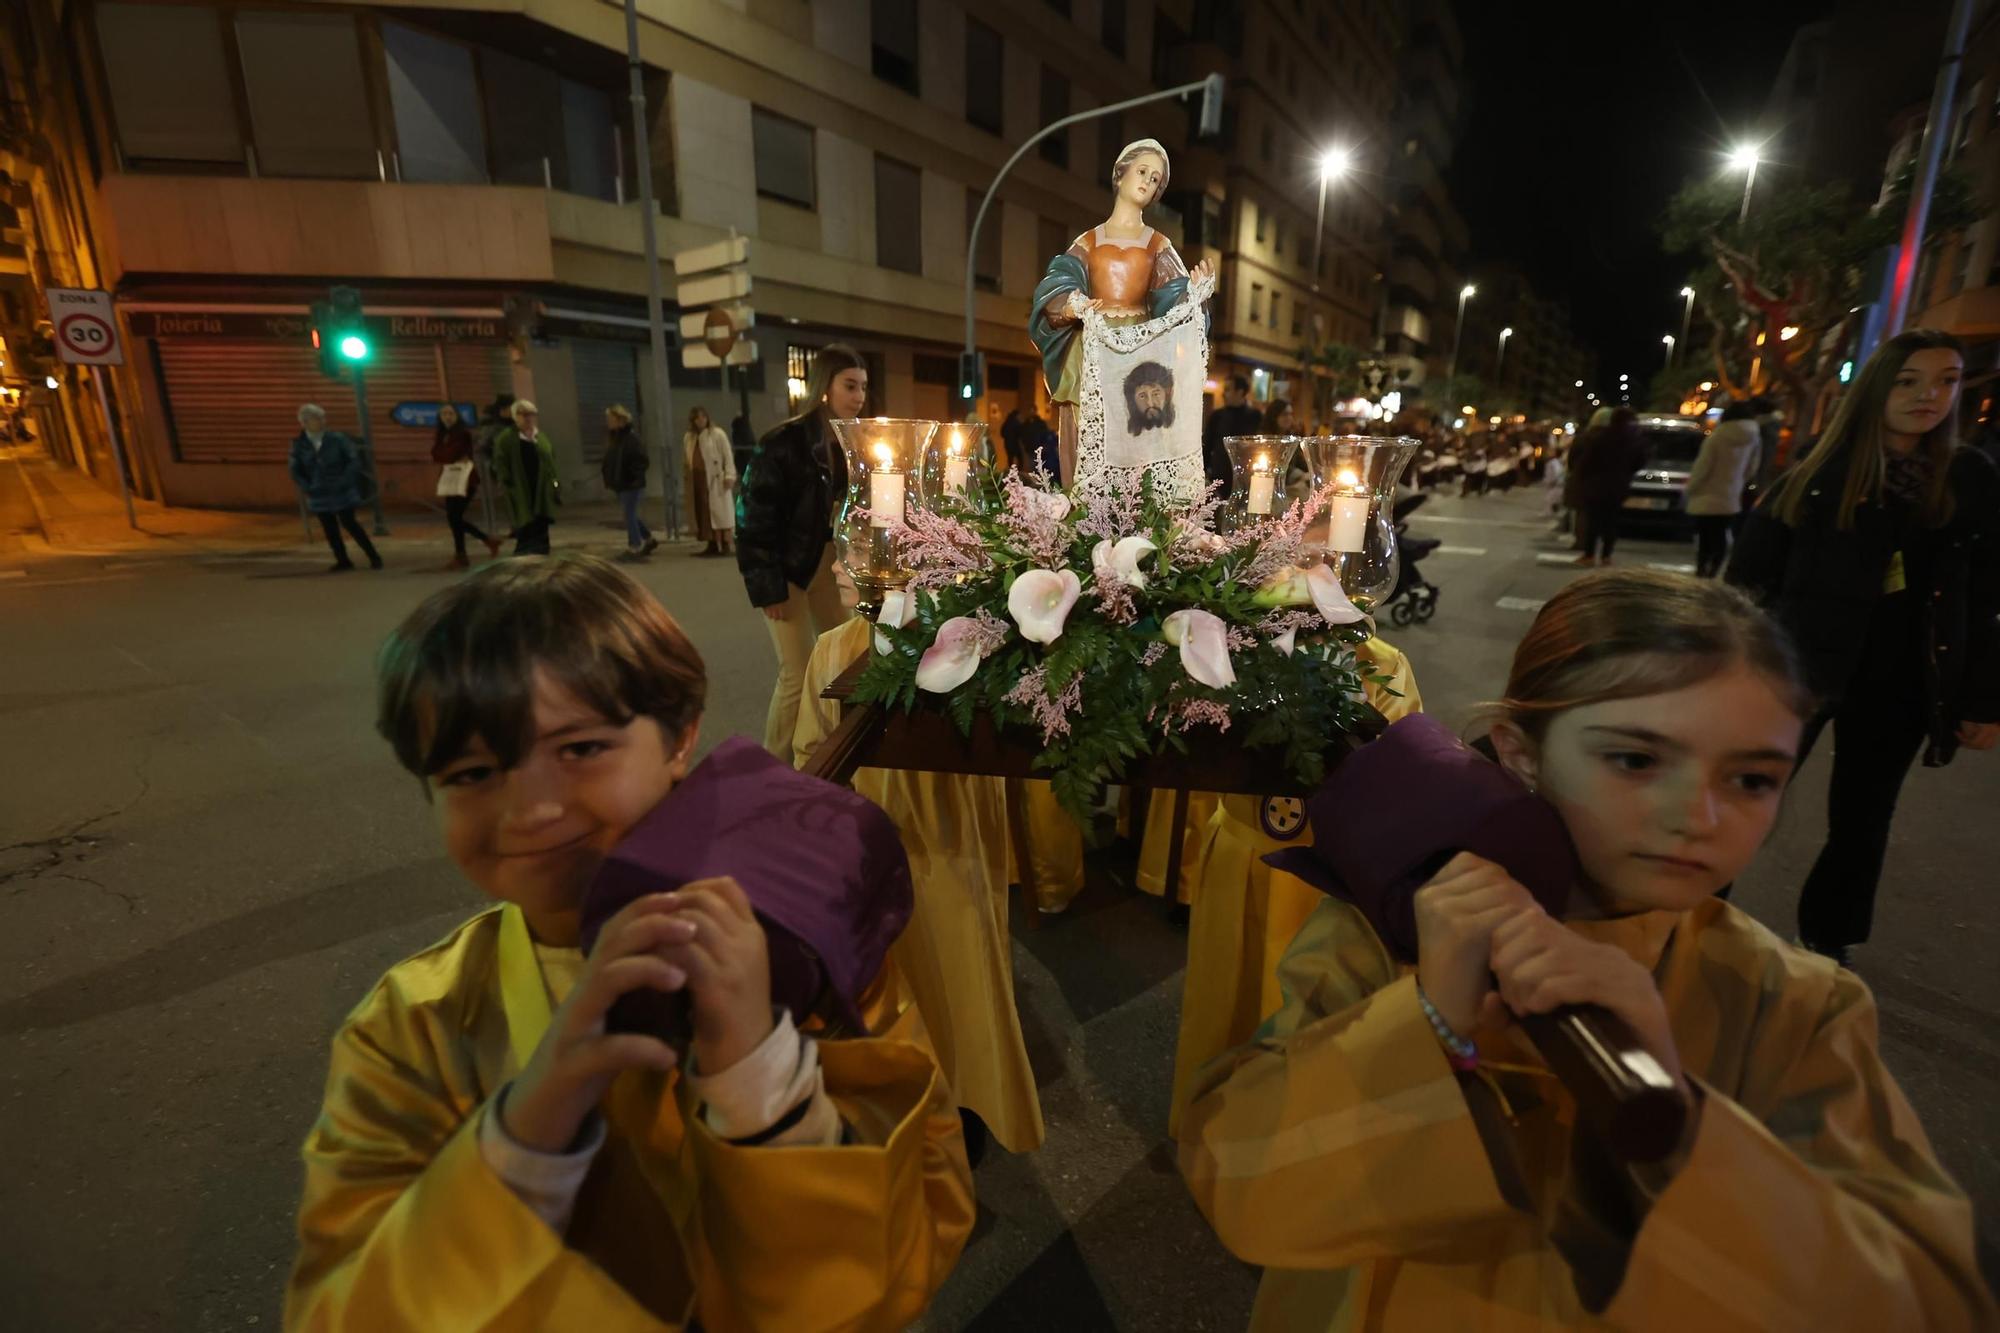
(1606, 463)
(1473, 469)
(326, 467)
(711, 476)
(1659, 715)
(524, 468)
(784, 543)
(1722, 472)
(452, 449)
(624, 472)
(1579, 451)
(1235, 417)
(717, 469)
(1880, 551)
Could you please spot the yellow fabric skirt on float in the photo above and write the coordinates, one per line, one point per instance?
(1245, 913)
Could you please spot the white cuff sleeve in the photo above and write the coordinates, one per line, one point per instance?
(767, 1085)
(546, 1182)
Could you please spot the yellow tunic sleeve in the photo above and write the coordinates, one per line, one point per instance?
(1824, 1208)
(1339, 1133)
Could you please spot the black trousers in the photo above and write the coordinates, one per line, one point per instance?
(1877, 732)
(461, 528)
(532, 537)
(1598, 525)
(333, 521)
(1711, 543)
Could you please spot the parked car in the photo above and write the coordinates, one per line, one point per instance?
(1658, 499)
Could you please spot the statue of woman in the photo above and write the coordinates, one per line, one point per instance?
(1121, 268)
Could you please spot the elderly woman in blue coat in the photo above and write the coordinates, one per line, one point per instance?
(326, 467)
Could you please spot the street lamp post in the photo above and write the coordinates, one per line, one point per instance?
(1465, 294)
(1744, 159)
(1331, 167)
(1668, 339)
(1687, 314)
(1501, 359)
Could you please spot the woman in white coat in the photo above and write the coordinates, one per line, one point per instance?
(1723, 470)
(711, 469)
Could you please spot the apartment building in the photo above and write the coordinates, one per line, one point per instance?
(1427, 260)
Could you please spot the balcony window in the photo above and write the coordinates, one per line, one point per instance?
(523, 119)
(329, 133)
(983, 62)
(170, 83)
(1277, 304)
(986, 259)
(1110, 138)
(1055, 105)
(783, 150)
(893, 28)
(1114, 27)
(589, 142)
(1257, 219)
(899, 221)
(434, 96)
(1256, 303)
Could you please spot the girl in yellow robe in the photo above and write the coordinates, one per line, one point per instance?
(487, 1155)
(956, 952)
(1661, 716)
(1245, 913)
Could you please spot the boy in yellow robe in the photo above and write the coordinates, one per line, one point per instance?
(956, 952)
(487, 1155)
(1245, 913)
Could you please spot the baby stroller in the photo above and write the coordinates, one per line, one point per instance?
(1415, 597)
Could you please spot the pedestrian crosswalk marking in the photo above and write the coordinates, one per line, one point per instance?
(1555, 557)
(1520, 603)
(1460, 550)
(1672, 568)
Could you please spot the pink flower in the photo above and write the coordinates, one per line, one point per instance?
(1330, 598)
(1204, 643)
(899, 608)
(953, 655)
(1287, 641)
(1040, 602)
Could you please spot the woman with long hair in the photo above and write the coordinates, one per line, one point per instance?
(624, 471)
(1604, 468)
(711, 472)
(1725, 468)
(452, 447)
(784, 542)
(1880, 551)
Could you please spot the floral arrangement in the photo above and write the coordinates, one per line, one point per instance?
(1114, 623)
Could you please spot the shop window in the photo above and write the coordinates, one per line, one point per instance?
(984, 58)
(434, 95)
(893, 42)
(899, 221)
(329, 133)
(170, 83)
(784, 153)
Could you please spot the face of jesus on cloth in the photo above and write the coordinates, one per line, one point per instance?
(1149, 397)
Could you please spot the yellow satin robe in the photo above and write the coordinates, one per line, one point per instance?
(404, 1227)
(1342, 1152)
(1157, 840)
(1245, 913)
(956, 952)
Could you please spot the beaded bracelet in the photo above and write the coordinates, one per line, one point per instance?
(1462, 1054)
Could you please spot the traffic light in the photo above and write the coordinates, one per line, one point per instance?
(971, 375)
(340, 335)
(322, 339)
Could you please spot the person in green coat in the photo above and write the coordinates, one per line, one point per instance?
(524, 468)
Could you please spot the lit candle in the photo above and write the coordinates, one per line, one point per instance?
(956, 464)
(885, 491)
(1347, 514)
(1261, 484)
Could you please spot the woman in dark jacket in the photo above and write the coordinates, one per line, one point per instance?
(1601, 473)
(784, 528)
(1880, 552)
(624, 472)
(451, 443)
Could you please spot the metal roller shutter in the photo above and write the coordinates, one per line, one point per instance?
(239, 402)
(477, 373)
(607, 373)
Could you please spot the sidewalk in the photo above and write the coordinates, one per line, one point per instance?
(48, 511)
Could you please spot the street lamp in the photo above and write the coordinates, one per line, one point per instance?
(1332, 166)
(1464, 294)
(1687, 312)
(1668, 339)
(1744, 158)
(1501, 359)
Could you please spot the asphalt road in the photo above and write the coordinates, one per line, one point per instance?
(206, 856)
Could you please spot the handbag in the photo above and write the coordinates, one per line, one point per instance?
(455, 479)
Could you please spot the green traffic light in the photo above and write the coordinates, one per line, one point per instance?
(354, 347)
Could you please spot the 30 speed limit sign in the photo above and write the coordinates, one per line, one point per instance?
(86, 329)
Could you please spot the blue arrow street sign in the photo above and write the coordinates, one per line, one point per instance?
(423, 416)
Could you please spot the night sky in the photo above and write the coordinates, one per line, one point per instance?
(1579, 125)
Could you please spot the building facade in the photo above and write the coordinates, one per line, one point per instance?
(1427, 260)
(1519, 346)
(470, 169)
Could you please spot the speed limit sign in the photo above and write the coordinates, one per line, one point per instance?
(86, 329)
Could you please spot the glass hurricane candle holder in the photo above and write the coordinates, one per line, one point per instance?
(1356, 530)
(955, 458)
(1258, 466)
(884, 457)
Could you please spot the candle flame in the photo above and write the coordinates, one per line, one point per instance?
(884, 455)
(1347, 477)
(1262, 464)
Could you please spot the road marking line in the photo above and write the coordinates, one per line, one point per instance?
(1555, 557)
(1672, 569)
(1521, 603)
(1460, 550)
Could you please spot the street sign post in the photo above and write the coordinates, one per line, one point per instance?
(423, 415)
(86, 332)
(713, 292)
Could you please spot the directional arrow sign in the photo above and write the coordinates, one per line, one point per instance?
(715, 288)
(719, 254)
(693, 324)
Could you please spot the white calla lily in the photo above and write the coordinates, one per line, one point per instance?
(952, 657)
(1287, 641)
(1052, 504)
(1040, 602)
(899, 608)
(1126, 554)
(1330, 599)
(1204, 643)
